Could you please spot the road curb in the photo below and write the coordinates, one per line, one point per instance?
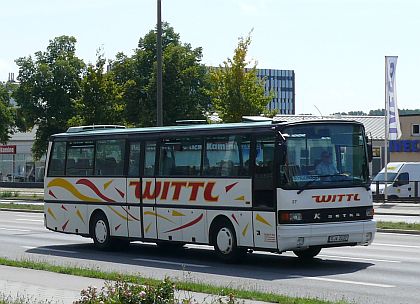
(417, 232)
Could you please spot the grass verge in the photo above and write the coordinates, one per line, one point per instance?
(398, 225)
(23, 207)
(181, 285)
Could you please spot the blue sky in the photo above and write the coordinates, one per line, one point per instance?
(336, 48)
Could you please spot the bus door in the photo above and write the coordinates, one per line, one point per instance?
(264, 192)
(134, 220)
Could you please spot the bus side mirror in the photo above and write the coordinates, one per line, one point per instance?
(370, 152)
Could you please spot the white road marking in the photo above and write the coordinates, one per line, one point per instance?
(28, 220)
(395, 245)
(347, 282)
(355, 258)
(15, 229)
(49, 249)
(172, 263)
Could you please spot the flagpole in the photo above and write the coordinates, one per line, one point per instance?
(386, 139)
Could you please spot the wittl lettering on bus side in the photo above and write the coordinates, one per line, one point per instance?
(161, 190)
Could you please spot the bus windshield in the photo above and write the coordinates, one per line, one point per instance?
(324, 156)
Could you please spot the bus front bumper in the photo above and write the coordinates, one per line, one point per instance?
(292, 237)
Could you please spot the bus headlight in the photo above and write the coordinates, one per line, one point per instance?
(370, 212)
(290, 217)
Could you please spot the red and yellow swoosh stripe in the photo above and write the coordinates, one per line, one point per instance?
(62, 183)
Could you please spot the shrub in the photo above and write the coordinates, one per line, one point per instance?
(122, 292)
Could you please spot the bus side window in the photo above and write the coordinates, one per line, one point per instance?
(227, 155)
(180, 157)
(149, 158)
(134, 160)
(80, 158)
(109, 157)
(58, 157)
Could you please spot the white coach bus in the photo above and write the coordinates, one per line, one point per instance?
(276, 187)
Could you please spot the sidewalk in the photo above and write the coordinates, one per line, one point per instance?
(393, 208)
(38, 285)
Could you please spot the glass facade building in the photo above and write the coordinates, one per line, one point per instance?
(282, 84)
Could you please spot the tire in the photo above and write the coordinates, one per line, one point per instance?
(99, 232)
(225, 244)
(307, 254)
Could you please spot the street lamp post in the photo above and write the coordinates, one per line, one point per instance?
(159, 107)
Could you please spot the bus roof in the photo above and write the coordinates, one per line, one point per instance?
(202, 127)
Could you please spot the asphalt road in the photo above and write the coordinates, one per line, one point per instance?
(388, 271)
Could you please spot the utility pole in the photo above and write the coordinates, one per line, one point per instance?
(159, 107)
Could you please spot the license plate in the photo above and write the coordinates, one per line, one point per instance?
(338, 238)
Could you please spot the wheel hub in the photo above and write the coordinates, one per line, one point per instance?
(224, 241)
(101, 231)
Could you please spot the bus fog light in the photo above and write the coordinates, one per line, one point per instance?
(300, 241)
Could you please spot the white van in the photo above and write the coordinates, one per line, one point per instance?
(400, 180)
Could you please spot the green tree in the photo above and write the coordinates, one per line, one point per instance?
(7, 114)
(100, 101)
(49, 86)
(237, 91)
(378, 112)
(184, 80)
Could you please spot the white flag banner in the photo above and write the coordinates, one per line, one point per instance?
(391, 108)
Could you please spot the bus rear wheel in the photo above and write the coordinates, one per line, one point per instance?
(225, 244)
(99, 230)
(307, 254)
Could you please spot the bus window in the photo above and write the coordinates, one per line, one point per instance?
(150, 159)
(180, 157)
(134, 160)
(80, 158)
(227, 155)
(58, 157)
(109, 157)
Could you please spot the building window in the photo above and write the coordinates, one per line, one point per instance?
(415, 129)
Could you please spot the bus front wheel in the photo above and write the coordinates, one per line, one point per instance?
(307, 254)
(225, 244)
(100, 232)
